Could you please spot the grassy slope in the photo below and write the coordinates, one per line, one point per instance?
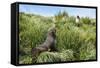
(73, 42)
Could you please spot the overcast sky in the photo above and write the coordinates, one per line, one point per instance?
(52, 10)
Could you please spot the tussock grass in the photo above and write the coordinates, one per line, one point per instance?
(73, 42)
(66, 55)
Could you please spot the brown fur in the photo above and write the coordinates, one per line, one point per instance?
(48, 45)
